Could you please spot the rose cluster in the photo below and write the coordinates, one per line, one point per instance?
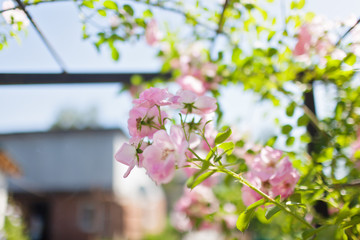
(197, 73)
(320, 38)
(316, 38)
(272, 174)
(199, 209)
(157, 143)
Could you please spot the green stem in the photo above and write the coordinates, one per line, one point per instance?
(197, 156)
(264, 195)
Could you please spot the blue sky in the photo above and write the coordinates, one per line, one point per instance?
(34, 108)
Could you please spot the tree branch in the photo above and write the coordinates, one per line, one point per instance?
(43, 38)
(347, 32)
(222, 18)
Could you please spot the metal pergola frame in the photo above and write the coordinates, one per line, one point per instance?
(66, 78)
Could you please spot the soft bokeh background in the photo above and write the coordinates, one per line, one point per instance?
(23, 107)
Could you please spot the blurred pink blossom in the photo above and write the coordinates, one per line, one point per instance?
(304, 41)
(355, 147)
(192, 83)
(152, 33)
(272, 174)
(195, 204)
(316, 38)
(14, 16)
(284, 180)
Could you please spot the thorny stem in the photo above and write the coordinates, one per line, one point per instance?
(264, 195)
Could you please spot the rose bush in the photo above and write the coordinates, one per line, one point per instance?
(309, 188)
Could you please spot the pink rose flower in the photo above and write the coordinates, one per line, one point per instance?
(271, 174)
(128, 155)
(144, 122)
(284, 180)
(164, 154)
(248, 195)
(152, 33)
(264, 164)
(153, 96)
(191, 103)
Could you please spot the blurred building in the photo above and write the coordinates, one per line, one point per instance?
(72, 187)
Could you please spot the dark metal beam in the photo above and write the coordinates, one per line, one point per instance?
(56, 78)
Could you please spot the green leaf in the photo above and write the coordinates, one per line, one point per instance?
(136, 79)
(339, 110)
(128, 9)
(111, 5)
(194, 181)
(115, 54)
(290, 109)
(301, 4)
(222, 136)
(210, 154)
(271, 141)
(310, 232)
(350, 59)
(303, 120)
(236, 55)
(290, 141)
(357, 154)
(245, 217)
(286, 129)
(102, 12)
(228, 147)
(271, 211)
(293, 5)
(296, 197)
(88, 4)
(324, 232)
(354, 221)
(147, 14)
(305, 138)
